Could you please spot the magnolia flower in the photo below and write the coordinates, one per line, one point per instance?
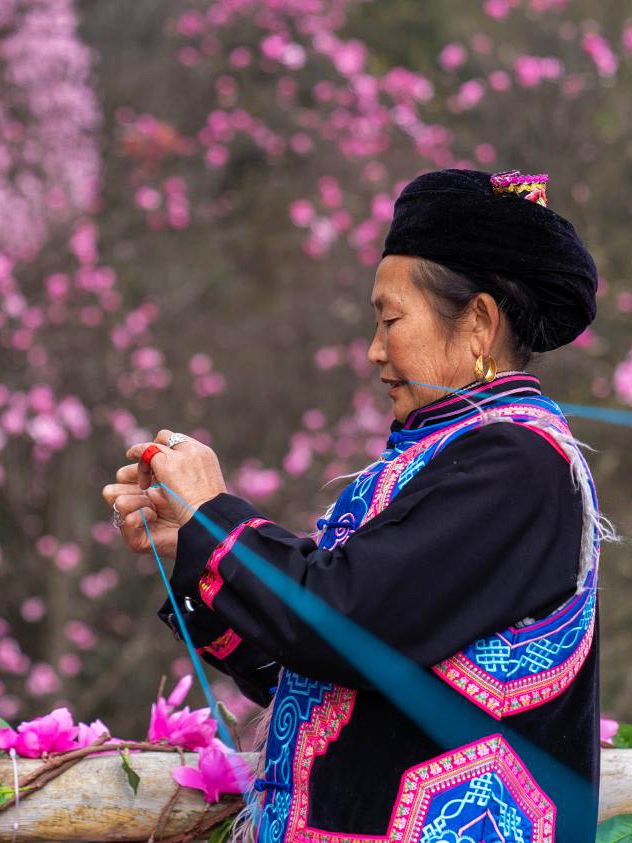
(185, 728)
(55, 732)
(220, 771)
(608, 729)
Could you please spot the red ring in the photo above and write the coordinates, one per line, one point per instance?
(149, 453)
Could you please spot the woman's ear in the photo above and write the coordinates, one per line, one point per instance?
(485, 323)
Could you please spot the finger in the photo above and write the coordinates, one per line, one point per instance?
(134, 521)
(126, 504)
(113, 490)
(136, 451)
(162, 437)
(127, 473)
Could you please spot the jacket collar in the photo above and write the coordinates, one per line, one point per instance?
(449, 408)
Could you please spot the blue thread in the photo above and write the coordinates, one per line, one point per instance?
(199, 671)
(197, 665)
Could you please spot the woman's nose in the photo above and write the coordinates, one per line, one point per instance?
(376, 353)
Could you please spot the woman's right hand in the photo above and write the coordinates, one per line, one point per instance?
(154, 504)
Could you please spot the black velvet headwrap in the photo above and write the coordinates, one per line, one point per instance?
(454, 217)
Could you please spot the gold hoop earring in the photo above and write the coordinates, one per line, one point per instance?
(479, 371)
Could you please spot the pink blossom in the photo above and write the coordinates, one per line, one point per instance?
(485, 153)
(328, 356)
(302, 212)
(69, 664)
(42, 680)
(601, 53)
(211, 384)
(54, 732)
(330, 192)
(46, 430)
(498, 9)
(188, 729)
(623, 379)
(200, 364)
(220, 771)
(470, 93)
(587, 339)
(12, 659)
(608, 729)
(301, 143)
(240, 57)
(452, 56)
(349, 58)
(33, 609)
(80, 634)
(148, 198)
(68, 556)
(624, 302)
(299, 457)
(382, 207)
(147, 358)
(626, 38)
(313, 419)
(256, 482)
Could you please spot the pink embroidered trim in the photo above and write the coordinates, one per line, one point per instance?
(313, 738)
(501, 699)
(508, 379)
(211, 580)
(421, 783)
(222, 646)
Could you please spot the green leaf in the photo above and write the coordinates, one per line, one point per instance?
(623, 738)
(615, 830)
(221, 832)
(132, 776)
(4, 724)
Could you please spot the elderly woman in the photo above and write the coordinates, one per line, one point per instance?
(470, 547)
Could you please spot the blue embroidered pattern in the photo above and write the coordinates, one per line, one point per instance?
(294, 702)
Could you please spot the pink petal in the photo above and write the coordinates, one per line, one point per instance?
(8, 738)
(608, 729)
(188, 777)
(179, 693)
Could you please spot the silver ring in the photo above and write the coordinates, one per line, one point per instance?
(176, 439)
(117, 519)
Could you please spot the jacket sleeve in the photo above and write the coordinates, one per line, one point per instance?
(488, 534)
(254, 672)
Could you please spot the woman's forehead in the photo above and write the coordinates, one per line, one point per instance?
(392, 280)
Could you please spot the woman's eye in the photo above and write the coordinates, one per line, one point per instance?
(388, 321)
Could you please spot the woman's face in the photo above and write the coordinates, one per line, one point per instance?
(409, 344)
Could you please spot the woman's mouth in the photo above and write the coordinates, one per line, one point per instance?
(395, 387)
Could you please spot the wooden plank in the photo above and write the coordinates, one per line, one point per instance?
(94, 802)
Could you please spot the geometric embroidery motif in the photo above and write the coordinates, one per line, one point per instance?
(478, 793)
(519, 669)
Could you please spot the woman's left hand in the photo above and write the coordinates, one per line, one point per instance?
(190, 469)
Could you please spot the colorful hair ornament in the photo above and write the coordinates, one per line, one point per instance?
(532, 188)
